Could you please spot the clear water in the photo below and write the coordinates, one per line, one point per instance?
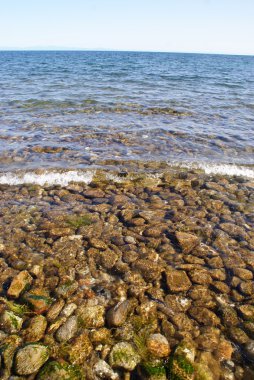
(77, 110)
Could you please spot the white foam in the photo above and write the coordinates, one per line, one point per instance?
(221, 169)
(47, 178)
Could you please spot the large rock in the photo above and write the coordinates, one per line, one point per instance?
(19, 284)
(91, 316)
(67, 330)
(187, 241)
(178, 281)
(158, 345)
(123, 356)
(31, 358)
(36, 329)
(116, 316)
(10, 322)
(59, 371)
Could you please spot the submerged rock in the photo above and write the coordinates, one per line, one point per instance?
(31, 358)
(36, 329)
(117, 315)
(124, 356)
(158, 345)
(187, 241)
(19, 284)
(60, 370)
(67, 330)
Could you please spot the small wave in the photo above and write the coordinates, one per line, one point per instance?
(47, 178)
(219, 169)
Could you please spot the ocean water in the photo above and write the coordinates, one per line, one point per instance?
(70, 112)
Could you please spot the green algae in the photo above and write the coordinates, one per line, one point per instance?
(77, 221)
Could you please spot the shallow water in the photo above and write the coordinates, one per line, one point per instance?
(77, 110)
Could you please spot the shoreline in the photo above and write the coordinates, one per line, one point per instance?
(147, 276)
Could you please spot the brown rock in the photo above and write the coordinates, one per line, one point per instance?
(204, 316)
(117, 315)
(177, 281)
(19, 284)
(158, 345)
(149, 269)
(187, 241)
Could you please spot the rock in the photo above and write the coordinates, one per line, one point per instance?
(36, 329)
(243, 274)
(200, 276)
(187, 241)
(204, 316)
(68, 310)
(55, 310)
(224, 350)
(238, 335)
(229, 316)
(149, 269)
(66, 289)
(91, 316)
(97, 243)
(208, 339)
(108, 259)
(67, 330)
(247, 312)
(158, 345)
(8, 348)
(31, 358)
(39, 300)
(104, 371)
(10, 322)
(123, 356)
(249, 350)
(19, 284)
(80, 349)
(178, 281)
(116, 316)
(59, 371)
(181, 365)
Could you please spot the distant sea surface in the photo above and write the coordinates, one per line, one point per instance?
(62, 111)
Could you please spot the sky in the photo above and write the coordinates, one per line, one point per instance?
(201, 26)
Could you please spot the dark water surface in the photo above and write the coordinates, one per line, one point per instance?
(77, 110)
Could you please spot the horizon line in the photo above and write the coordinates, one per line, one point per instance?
(9, 49)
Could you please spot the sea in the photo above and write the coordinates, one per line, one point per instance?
(64, 114)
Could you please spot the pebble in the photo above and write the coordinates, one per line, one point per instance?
(30, 359)
(67, 330)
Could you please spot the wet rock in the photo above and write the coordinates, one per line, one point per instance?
(187, 241)
(124, 356)
(31, 358)
(182, 362)
(243, 274)
(55, 310)
(200, 276)
(229, 316)
(246, 287)
(54, 370)
(158, 345)
(66, 289)
(36, 329)
(80, 349)
(224, 350)
(68, 310)
(249, 350)
(104, 371)
(117, 315)
(19, 284)
(247, 312)
(204, 316)
(177, 281)
(10, 322)
(149, 270)
(97, 243)
(8, 349)
(238, 335)
(177, 303)
(208, 339)
(39, 300)
(91, 316)
(67, 330)
(108, 259)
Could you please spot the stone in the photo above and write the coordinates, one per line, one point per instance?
(10, 322)
(68, 310)
(204, 316)
(116, 316)
(104, 371)
(224, 350)
(91, 316)
(200, 276)
(247, 312)
(149, 269)
(178, 281)
(36, 329)
(54, 370)
(208, 339)
(30, 359)
(124, 356)
(249, 350)
(238, 335)
(187, 241)
(66, 289)
(158, 345)
(67, 330)
(19, 284)
(80, 350)
(39, 300)
(55, 310)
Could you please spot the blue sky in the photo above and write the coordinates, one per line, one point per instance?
(212, 26)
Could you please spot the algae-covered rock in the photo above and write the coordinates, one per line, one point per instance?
(153, 370)
(10, 322)
(158, 345)
(20, 283)
(55, 371)
(39, 300)
(181, 363)
(36, 329)
(80, 349)
(124, 356)
(7, 348)
(31, 358)
(91, 316)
